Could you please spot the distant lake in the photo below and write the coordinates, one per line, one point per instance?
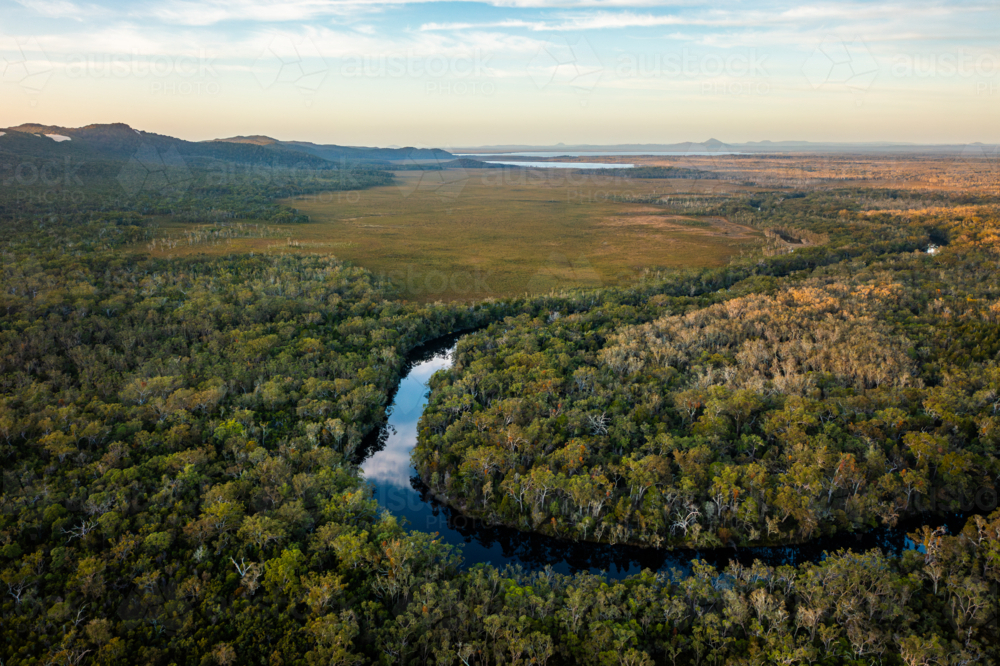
(598, 154)
(564, 165)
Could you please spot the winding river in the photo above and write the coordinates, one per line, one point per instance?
(399, 489)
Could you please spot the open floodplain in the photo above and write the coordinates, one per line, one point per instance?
(480, 233)
(475, 233)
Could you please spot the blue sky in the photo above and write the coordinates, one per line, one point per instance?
(523, 71)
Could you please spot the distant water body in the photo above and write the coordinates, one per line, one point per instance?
(599, 154)
(563, 165)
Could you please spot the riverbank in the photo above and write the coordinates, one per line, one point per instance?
(399, 488)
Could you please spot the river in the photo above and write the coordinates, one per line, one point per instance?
(399, 489)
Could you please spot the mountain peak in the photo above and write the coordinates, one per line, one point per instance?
(35, 128)
(257, 140)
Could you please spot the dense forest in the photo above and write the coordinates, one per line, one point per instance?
(120, 178)
(766, 412)
(180, 438)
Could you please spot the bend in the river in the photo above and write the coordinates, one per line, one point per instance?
(400, 490)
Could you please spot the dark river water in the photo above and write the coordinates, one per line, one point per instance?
(398, 489)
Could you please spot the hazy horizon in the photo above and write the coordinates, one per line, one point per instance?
(514, 145)
(527, 72)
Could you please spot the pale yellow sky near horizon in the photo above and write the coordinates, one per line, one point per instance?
(543, 72)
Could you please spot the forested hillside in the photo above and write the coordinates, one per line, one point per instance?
(44, 182)
(770, 411)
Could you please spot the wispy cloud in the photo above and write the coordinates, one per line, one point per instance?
(597, 21)
(59, 8)
(825, 15)
(514, 40)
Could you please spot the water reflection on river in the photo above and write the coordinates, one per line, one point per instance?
(398, 489)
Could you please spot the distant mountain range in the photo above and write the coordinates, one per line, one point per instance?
(336, 153)
(119, 141)
(716, 146)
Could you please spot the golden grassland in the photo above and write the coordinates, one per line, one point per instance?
(976, 170)
(470, 234)
(473, 234)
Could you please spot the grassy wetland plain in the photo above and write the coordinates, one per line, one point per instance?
(479, 233)
(474, 233)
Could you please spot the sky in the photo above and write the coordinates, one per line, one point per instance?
(541, 72)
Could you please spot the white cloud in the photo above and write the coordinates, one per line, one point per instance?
(815, 15)
(594, 21)
(58, 8)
